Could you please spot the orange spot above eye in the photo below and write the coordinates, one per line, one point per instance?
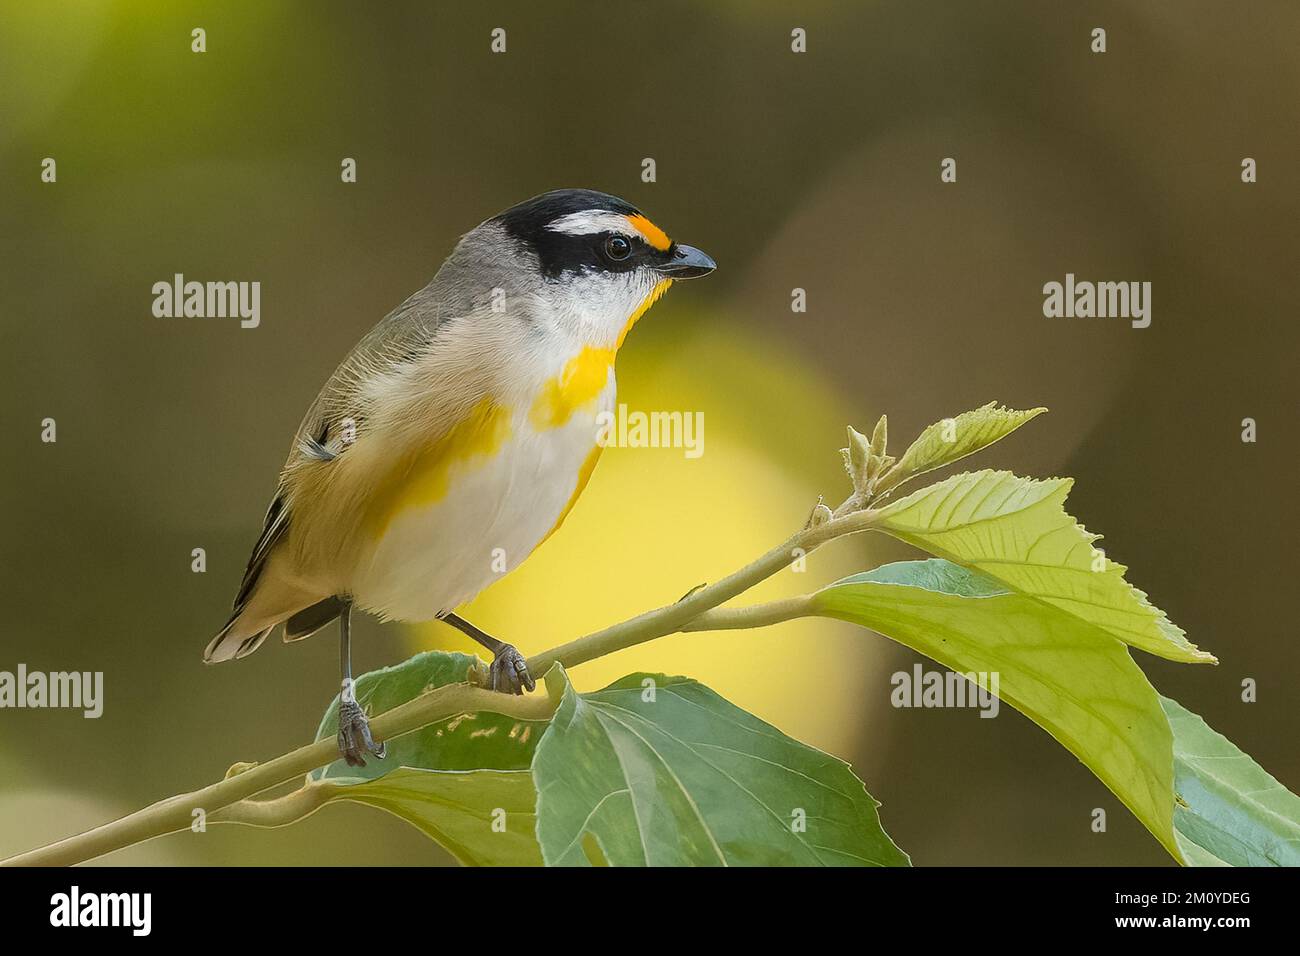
(652, 233)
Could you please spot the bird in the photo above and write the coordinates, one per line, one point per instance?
(456, 436)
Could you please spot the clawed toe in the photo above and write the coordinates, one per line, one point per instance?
(354, 735)
(509, 672)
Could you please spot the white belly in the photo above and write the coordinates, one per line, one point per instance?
(496, 510)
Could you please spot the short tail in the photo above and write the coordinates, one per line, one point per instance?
(250, 622)
(239, 637)
(234, 642)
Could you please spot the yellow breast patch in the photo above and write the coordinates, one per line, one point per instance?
(580, 383)
(423, 476)
(585, 375)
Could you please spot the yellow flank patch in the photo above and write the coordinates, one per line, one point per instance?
(584, 475)
(652, 233)
(660, 288)
(423, 476)
(582, 380)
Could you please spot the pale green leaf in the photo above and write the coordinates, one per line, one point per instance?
(1016, 531)
(1230, 810)
(954, 438)
(686, 778)
(481, 817)
(1070, 677)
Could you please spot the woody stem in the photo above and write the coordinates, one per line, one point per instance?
(698, 610)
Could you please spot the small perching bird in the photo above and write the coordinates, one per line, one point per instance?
(457, 434)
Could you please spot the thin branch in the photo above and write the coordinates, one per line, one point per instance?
(177, 813)
(698, 610)
(292, 807)
(675, 617)
(756, 615)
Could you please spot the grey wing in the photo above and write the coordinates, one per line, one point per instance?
(273, 528)
(339, 412)
(329, 423)
(482, 263)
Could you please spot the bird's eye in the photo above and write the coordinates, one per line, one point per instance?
(616, 247)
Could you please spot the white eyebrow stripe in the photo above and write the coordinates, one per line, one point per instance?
(591, 221)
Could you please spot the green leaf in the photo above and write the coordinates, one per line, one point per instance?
(954, 438)
(464, 781)
(678, 776)
(1016, 531)
(468, 782)
(481, 817)
(1070, 677)
(1230, 810)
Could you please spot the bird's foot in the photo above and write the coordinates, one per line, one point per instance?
(509, 672)
(354, 732)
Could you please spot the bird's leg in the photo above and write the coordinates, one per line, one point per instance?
(354, 728)
(509, 672)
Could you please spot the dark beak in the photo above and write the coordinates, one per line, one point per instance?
(687, 262)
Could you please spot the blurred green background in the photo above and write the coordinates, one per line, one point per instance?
(818, 171)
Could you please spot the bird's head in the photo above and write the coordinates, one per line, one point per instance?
(587, 261)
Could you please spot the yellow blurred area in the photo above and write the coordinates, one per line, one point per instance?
(654, 523)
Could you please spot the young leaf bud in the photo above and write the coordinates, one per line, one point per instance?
(859, 457)
(879, 437)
